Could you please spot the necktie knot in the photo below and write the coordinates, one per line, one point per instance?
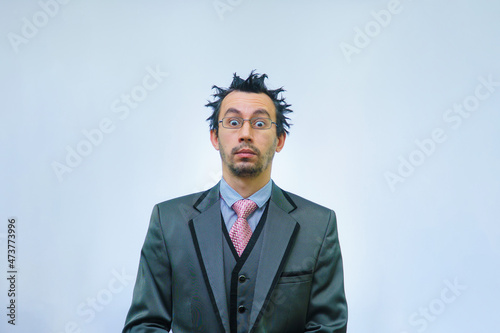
(244, 207)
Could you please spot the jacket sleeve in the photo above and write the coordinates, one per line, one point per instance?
(327, 312)
(151, 309)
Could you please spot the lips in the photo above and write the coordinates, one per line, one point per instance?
(245, 153)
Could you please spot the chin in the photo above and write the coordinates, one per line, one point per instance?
(246, 171)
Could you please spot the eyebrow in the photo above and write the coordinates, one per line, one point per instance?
(256, 112)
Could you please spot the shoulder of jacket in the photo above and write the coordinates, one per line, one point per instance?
(302, 202)
(189, 199)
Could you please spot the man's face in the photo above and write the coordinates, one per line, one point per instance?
(247, 152)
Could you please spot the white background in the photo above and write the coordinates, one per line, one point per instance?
(358, 114)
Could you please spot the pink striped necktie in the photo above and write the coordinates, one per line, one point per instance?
(240, 232)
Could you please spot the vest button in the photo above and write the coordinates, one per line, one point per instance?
(241, 309)
(242, 278)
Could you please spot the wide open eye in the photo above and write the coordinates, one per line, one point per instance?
(261, 123)
(233, 122)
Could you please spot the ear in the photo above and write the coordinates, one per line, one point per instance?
(214, 139)
(281, 142)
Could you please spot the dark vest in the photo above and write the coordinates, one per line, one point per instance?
(240, 274)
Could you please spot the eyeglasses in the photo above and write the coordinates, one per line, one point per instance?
(255, 123)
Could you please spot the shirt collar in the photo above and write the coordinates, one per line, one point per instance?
(230, 196)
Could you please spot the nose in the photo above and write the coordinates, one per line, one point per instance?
(245, 132)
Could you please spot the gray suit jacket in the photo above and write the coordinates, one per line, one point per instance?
(299, 285)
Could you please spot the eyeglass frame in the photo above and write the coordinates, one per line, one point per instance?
(250, 121)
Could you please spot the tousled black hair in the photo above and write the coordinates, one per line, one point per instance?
(254, 84)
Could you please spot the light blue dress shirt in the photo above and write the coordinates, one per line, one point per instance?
(230, 196)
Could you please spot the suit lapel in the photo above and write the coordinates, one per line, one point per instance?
(278, 235)
(207, 237)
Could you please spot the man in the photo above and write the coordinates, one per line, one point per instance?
(244, 256)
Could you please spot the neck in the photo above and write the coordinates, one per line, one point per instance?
(246, 186)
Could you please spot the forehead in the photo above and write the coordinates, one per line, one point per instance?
(247, 103)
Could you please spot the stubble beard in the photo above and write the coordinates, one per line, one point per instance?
(244, 168)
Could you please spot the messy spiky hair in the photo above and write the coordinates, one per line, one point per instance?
(254, 84)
